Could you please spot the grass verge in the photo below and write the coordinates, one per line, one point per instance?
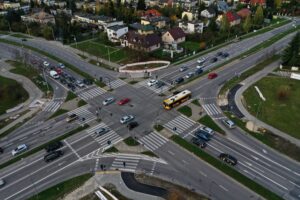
(158, 127)
(149, 153)
(208, 121)
(230, 171)
(113, 190)
(58, 191)
(196, 102)
(81, 103)
(111, 150)
(185, 110)
(131, 141)
(39, 148)
(70, 96)
(58, 112)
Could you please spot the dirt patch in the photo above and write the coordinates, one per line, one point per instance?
(145, 67)
(174, 191)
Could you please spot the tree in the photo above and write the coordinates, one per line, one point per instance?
(185, 18)
(225, 26)
(141, 5)
(258, 19)
(212, 25)
(270, 3)
(47, 32)
(277, 4)
(111, 9)
(247, 24)
(97, 7)
(71, 5)
(291, 55)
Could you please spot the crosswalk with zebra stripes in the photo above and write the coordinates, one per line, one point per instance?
(91, 93)
(179, 124)
(85, 116)
(53, 105)
(116, 83)
(153, 141)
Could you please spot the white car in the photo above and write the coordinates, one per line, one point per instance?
(108, 101)
(189, 75)
(126, 118)
(151, 82)
(46, 64)
(61, 65)
(201, 60)
(19, 149)
(79, 84)
(183, 68)
(2, 183)
(200, 66)
(207, 130)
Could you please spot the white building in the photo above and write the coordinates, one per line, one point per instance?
(208, 13)
(192, 27)
(115, 32)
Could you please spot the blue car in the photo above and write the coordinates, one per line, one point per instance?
(202, 135)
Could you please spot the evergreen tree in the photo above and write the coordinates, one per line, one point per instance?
(225, 26)
(97, 7)
(111, 9)
(277, 4)
(141, 5)
(291, 55)
(185, 18)
(212, 25)
(270, 3)
(247, 24)
(258, 16)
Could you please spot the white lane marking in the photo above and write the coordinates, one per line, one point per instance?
(203, 174)
(185, 162)
(264, 151)
(294, 184)
(170, 152)
(214, 148)
(153, 168)
(35, 183)
(221, 186)
(23, 138)
(73, 150)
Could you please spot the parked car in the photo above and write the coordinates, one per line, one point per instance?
(214, 59)
(46, 64)
(132, 125)
(151, 82)
(21, 148)
(199, 142)
(207, 129)
(101, 131)
(2, 183)
(123, 101)
(212, 75)
(198, 71)
(72, 117)
(54, 146)
(127, 118)
(202, 135)
(178, 80)
(79, 83)
(159, 84)
(108, 101)
(183, 68)
(189, 75)
(61, 65)
(53, 155)
(228, 123)
(228, 158)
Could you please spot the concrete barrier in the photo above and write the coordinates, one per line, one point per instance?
(124, 70)
(15, 108)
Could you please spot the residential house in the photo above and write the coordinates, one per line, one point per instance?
(79, 5)
(147, 43)
(10, 5)
(152, 3)
(152, 13)
(186, 4)
(207, 3)
(243, 13)
(190, 15)
(174, 36)
(232, 18)
(142, 29)
(222, 6)
(61, 11)
(115, 32)
(258, 2)
(156, 21)
(40, 17)
(208, 13)
(61, 4)
(195, 26)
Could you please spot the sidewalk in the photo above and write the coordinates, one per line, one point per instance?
(110, 177)
(239, 99)
(33, 91)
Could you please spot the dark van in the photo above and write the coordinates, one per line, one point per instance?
(53, 155)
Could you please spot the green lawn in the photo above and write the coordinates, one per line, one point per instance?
(60, 190)
(185, 110)
(131, 142)
(209, 122)
(70, 96)
(158, 127)
(282, 113)
(191, 46)
(58, 112)
(149, 153)
(111, 150)
(19, 35)
(11, 94)
(81, 103)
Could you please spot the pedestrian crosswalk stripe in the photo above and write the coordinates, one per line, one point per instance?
(180, 123)
(52, 106)
(83, 112)
(89, 94)
(211, 109)
(153, 141)
(130, 163)
(116, 83)
(156, 90)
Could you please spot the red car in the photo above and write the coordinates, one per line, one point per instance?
(59, 71)
(212, 75)
(123, 101)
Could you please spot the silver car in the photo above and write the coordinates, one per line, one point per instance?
(126, 118)
(2, 183)
(101, 131)
(108, 101)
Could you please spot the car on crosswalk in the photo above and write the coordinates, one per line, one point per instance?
(21, 148)
(101, 131)
(127, 118)
(72, 117)
(123, 101)
(108, 101)
(151, 82)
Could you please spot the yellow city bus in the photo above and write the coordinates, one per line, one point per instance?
(177, 99)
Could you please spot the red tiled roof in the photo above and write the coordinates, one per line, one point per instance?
(232, 16)
(244, 12)
(152, 12)
(258, 2)
(176, 33)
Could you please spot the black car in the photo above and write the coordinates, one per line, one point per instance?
(87, 81)
(179, 80)
(202, 135)
(71, 86)
(53, 155)
(159, 84)
(214, 59)
(54, 146)
(220, 53)
(63, 81)
(1, 150)
(198, 71)
(71, 79)
(228, 158)
(199, 142)
(132, 125)
(225, 55)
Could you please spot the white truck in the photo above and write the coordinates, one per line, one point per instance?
(54, 74)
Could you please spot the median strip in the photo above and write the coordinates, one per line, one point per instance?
(249, 183)
(41, 147)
